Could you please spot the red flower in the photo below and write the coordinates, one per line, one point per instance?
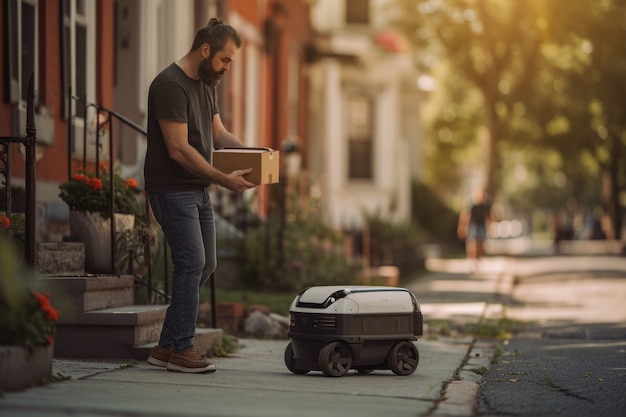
(131, 182)
(5, 222)
(81, 177)
(95, 183)
(44, 304)
(89, 192)
(103, 167)
(50, 312)
(50, 340)
(41, 298)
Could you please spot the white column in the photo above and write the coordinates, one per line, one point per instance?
(335, 149)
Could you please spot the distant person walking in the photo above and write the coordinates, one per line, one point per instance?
(473, 226)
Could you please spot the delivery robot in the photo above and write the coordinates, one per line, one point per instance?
(334, 329)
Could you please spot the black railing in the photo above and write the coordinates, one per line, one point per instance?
(108, 120)
(30, 142)
(102, 123)
(110, 115)
(242, 216)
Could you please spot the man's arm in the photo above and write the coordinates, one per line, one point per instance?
(221, 137)
(179, 149)
(461, 229)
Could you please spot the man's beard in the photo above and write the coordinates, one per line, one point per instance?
(207, 74)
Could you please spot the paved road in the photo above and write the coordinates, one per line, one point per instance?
(569, 358)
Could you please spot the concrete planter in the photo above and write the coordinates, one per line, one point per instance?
(20, 368)
(95, 232)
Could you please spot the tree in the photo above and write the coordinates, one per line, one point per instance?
(589, 61)
(544, 80)
(493, 46)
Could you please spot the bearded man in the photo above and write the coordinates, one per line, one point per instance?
(184, 127)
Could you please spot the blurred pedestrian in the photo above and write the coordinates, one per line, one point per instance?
(473, 226)
(561, 230)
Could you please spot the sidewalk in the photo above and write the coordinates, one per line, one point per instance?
(256, 382)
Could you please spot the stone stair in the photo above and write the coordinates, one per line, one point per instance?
(97, 317)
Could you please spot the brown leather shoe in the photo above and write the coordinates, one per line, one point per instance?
(189, 361)
(160, 356)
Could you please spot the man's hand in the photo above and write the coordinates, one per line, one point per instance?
(235, 181)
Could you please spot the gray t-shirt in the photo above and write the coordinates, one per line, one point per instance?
(174, 96)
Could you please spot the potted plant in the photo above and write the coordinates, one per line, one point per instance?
(88, 198)
(90, 192)
(27, 322)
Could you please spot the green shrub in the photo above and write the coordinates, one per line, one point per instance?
(433, 215)
(390, 239)
(297, 253)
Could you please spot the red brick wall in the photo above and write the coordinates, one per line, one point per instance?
(52, 167)
(291, 17)
(105, 60)
(53, 164)
(5, 109)
(248, 9)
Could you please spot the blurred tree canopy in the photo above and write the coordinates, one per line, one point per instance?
(532, 90)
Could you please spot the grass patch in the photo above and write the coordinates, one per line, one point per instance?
(494, 329)
(130, 364)
(59, 377)
(228, 346)
(277, 302)
(497, 354)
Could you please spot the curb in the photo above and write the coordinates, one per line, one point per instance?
(460, 396)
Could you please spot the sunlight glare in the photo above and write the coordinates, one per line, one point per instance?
(469, 15)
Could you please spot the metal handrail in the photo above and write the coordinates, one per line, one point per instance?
(30, 143)
(110, 115)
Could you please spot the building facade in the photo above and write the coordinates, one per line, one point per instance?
(363, 114)
(104, 53)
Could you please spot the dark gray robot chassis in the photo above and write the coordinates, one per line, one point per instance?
(334, 329)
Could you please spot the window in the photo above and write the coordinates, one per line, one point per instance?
(78, 69)
(360, 138)
(28, 45)
(358, 12)
(20, 33)
(81, 67)
(77, 55)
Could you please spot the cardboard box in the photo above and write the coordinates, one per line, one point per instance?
(263, 161)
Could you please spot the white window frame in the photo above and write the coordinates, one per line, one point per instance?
(364, 135)
(88, 21)
(16, 83)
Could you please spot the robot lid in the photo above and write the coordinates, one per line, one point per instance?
(356, 299)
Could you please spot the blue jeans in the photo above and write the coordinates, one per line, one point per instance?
(186, 218)
(477, 232)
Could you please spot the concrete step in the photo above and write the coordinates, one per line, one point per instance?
(61, 258)
(122, 332)
(73, 295)
(109, 333)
